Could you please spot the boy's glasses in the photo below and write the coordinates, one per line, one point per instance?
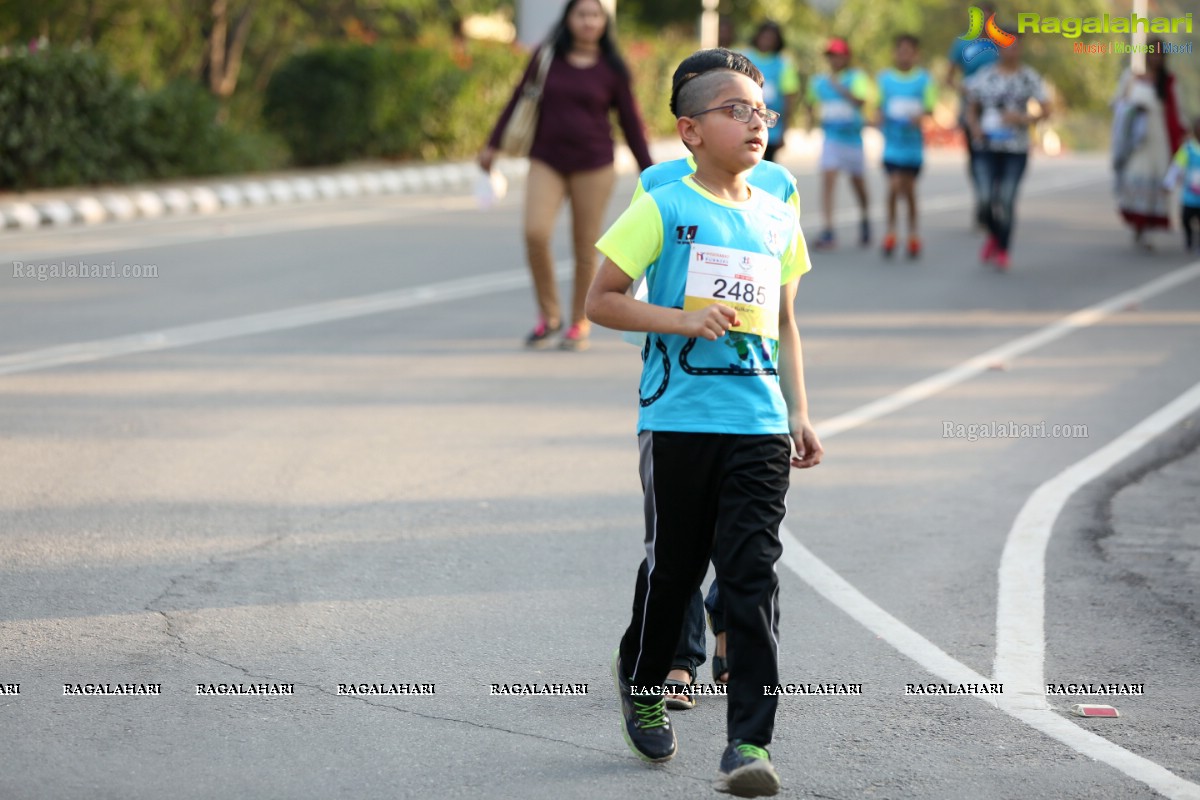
(742, 113)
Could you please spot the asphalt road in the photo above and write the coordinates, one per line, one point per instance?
(311, 452)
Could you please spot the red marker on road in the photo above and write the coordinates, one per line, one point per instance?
(1085, 710)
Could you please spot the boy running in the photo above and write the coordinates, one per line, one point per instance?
(839, 99)
(722, 402)
(775, 180)
(906, 97)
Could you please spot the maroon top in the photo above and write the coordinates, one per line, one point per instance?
(573, 131)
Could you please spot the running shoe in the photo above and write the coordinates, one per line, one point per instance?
(825, 241)
(539, 337)
(746, 771)
(864, 233)
(1001, 260)
(647, 727)
(889, 245)
(989, 250)
(574, 339)
(914, 247)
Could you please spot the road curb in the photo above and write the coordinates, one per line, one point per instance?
(109, 205)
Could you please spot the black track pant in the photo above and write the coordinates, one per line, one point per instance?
(717, 496)
(1190, 216)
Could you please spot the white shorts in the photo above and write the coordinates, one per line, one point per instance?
(842, 157)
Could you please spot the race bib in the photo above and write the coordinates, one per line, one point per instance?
(837, 111)
(746, 282)
(993, 125)
(904, 109)
(1193, 180)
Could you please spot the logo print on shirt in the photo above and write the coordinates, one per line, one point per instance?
(685, 234)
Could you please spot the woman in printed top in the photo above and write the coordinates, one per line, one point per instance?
(999, 116)
(572, 157)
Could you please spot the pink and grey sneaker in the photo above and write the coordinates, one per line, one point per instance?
(1001, 260)
(989, 250)
(539, 337)
(575, 339)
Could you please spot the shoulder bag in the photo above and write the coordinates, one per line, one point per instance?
(517, 138)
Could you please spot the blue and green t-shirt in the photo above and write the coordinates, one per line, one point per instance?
(766, 175)
(841, 120)
(779, 80)
(696, 249)
(904, 97)
(1187, 161)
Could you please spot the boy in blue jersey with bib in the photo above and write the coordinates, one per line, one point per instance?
(777, 181)
(906, 97)
(722, 403)
(840, 99)
(1185, 168)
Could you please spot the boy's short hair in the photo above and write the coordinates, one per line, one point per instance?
(687, 94)
(910, 38)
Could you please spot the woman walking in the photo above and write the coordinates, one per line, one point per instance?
(998, 117)
(1148, 129)
(572, 157)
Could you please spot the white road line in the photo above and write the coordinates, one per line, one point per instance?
(1020, 612)
(907, 641)
(266, 322)
(973, 366)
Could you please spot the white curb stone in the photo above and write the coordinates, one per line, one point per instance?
(89, 210)
(305, 189)
(118, 206)
(176, 201)
(255, 193)
(229, 195)
(281, 191)
(149, 204)
(24, 215)
(328, 187)
(56, 212)
(349, 185)
(205, 200)
(371, 183)
(409, 181)
(391, 181)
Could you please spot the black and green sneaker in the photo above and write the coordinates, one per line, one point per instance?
(647, 728)
(746, 771)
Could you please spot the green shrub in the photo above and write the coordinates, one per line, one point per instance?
(341, 102)
(653, 62)
(65, 118)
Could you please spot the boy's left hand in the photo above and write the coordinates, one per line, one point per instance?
(808, 446)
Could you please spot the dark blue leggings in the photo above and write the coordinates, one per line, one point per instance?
(997, 176)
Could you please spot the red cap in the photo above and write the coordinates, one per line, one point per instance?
(837, 47)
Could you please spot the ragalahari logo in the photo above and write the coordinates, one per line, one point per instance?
(993, 39)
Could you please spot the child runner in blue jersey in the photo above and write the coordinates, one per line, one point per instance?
(906, 97)
(775, 180)
(722, 404)
(840, 99)
(1186, 168)
(781, 82)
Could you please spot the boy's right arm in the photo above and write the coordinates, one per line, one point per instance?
(610, 306)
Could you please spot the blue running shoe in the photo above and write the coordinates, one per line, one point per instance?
(746, 771)
(647, 728)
